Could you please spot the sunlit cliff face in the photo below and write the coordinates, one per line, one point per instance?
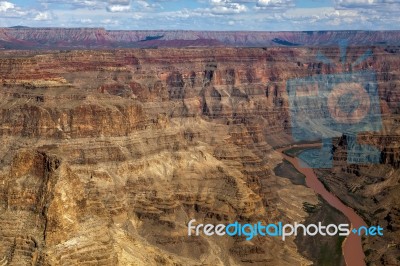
(106, 155)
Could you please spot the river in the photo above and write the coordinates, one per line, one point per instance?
(351, 247)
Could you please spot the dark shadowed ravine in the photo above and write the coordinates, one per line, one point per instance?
(352, 249)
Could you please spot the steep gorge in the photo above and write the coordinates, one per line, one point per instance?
(108, 154)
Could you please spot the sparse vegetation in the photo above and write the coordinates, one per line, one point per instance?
(309, 208)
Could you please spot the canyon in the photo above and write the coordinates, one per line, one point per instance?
(107, 154)
(20, 37)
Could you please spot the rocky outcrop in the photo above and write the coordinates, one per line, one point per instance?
(372, 189)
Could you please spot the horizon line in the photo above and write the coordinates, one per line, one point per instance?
(172, 30)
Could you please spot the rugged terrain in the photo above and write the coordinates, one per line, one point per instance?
(106, 155)
(20, 37)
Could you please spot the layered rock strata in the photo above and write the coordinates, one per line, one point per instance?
(107, 155)
(95, 38)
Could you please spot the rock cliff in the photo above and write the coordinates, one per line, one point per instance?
(92, 38)
(106, 155)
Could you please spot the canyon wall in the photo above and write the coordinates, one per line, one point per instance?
(92, 38)
(108, 154)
